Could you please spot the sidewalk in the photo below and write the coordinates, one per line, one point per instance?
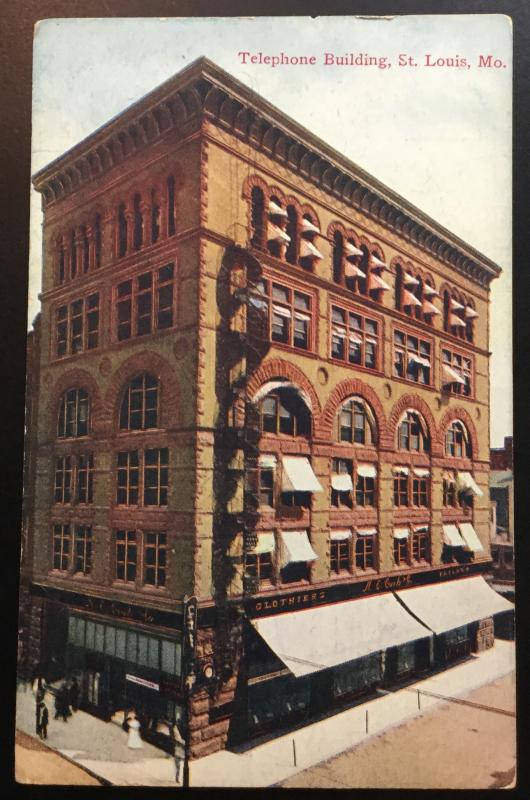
(102, 747)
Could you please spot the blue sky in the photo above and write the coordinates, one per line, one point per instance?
(441, 137)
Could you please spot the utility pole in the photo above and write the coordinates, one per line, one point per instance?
(188, 675)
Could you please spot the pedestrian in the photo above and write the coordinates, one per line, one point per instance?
(134, 741)
(62, 708)
(38, 690)
(43, 718)
(179, 751)
(73, 694)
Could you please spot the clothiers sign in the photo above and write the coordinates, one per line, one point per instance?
(330, 594)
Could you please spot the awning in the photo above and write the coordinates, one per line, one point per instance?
(277, 210)
(500, 479)
(421, 528)
(319, 638)
(430, 291)
(455, 305)
(267, 460)
(451, 536)
(421, 360)
(298, 475)
(309, 227)
(429, 308)
(449, 375)
(265, 544)
(456, 321)
(271, 386)
(470, 313)
(340, 535)
(377, 263)
(466, 483)
(378, 283)
(367, 470)
(410, 280)
(308, 250)
(409, 299)
(341, 482)
(353, 271)
(367, 531)
(401, 533)
(421, 472)
(296, 548)
(351, 250)
(400, 470)
(281, 311)
(469, 535)
(275, 234)
(448, 605)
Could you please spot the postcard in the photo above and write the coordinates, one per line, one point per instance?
(268, 531)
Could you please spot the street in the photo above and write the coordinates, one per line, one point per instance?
(454, 746)
(37, 763)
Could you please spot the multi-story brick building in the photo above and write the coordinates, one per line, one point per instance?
(262, 419)
(502, 518)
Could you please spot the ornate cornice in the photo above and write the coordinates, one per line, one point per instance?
(204, 91)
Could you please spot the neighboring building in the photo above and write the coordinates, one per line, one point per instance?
(502, 519)
(262, 418)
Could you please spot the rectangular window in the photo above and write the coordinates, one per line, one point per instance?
(401, 490)
(155, 477)
(128, 478)
(365, 491)
(266, 486)
(126, 556)
(85, 478)
(354, 338)
(449, 491)
(420, 546)
(146, 303)
(339, 559)
(420, 492)
(290, 314)
(83, 550)
(400, 552)
(259, 565)
(342, 499)
(155, 559)
(463, 367)
(62, 543)
(77, 326)
(364, 553)
(412, 358)
(63, 479)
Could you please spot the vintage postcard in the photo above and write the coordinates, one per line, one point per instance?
(268, 530)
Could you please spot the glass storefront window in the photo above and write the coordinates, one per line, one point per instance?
(132, 646)
(153, 658)
(142, 650)
(121, 636)
(110, 640)
(357, 675)
(100, 637)
(90, 635)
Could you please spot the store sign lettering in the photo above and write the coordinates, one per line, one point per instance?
(387, 584)
(293, 600)
(142, 682)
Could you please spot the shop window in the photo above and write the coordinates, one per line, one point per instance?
(77, 326)
(83, 550)
(290, 314)
(457, 441)
(356, 423)
(146, 303)
(284, 413)
(139, 407)
(155, 559)
(122, 230)
(456, 373)
(354, 338)
(258, 219)
(126, 557)
(412, 434)
(63, 479)
(144, 475)
(73, 414)
(365, 550)
(412, 358)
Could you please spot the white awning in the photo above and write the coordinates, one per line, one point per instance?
(448, 605)
(378, 283)
(308, 250)
(275, 234)
(301, 315)
(456, 321)
(298, 475)
(351, 250)
(451, 536)
(271, 386)
(401, 533)
(339, 331)
(319, 638)
(267, 460)
(367, 470)
(470, 313)
(353, 271)
(449, 477)
(430, 291)
(377, 263)
(282, 311)
(367, 531)
(409, 299)
(274, 208)
(400, 470)
(455, 305)
(355, 337)
(340, 535)
(469, 535)
(296, 548)
(410, 280)
(421, 528)
(341, 482)
(415, 359)
(466, 483)
(421, 472)
(309, 227)
(265, 544)
(449, 375)
(429, 308)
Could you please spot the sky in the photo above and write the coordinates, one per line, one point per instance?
(438, 134)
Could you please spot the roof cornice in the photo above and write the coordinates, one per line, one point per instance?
(204, 90)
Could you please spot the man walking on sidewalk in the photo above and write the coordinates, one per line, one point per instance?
(42, 720)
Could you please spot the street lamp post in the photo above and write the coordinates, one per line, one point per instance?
(188, 675)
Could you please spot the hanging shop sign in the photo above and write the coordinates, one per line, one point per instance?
(142, 682)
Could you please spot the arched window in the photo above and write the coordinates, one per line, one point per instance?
(457, 441)
(155, 216)
(356, 423)
(257, 217)
(291, 254)
(364, 267)
(283, 412)
(309, 252)
(84, 250)
(411, 294)
(61, 260)
(73, 255)
(73, 414)
(122, 231)
(338, 256)
(412, 433)
(429, 310)
(469, 315)
(97, 240)
(139, 407)
(454, 314)
(398, 288)
(138, 233)
(171, 206)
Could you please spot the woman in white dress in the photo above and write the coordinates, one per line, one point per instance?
(134, 741)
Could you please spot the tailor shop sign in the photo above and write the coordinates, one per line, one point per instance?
(333, 594)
